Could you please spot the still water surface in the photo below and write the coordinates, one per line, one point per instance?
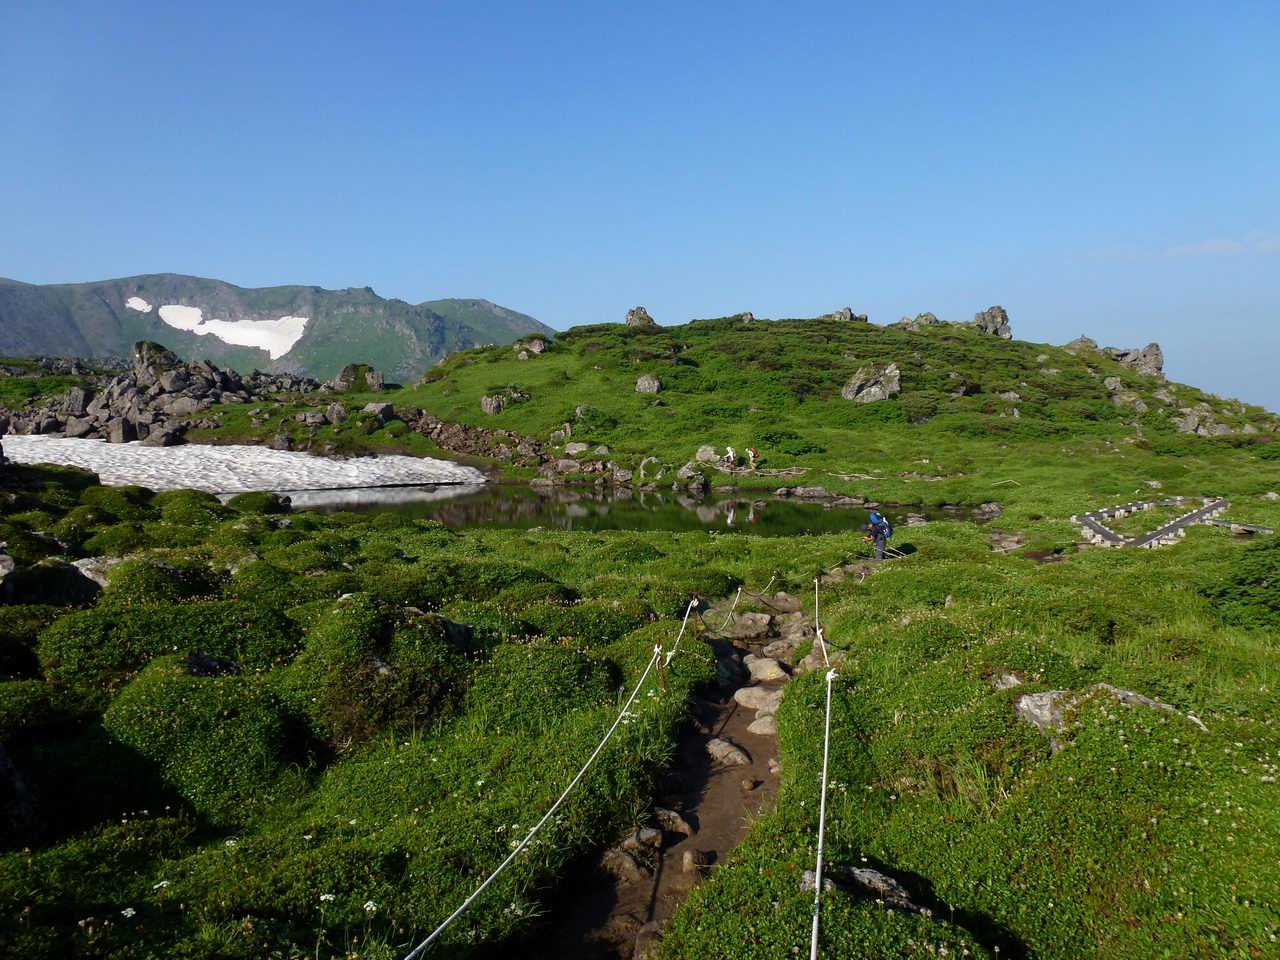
(522, 507)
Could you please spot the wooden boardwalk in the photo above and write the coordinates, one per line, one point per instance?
(1206, 510)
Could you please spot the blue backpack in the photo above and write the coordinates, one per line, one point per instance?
(881, 525)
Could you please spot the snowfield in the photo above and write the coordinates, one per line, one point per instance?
(277, 337)
(232, 469)
(137, 303)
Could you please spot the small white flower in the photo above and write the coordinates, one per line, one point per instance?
(161, 885)
(479, 783)
(352, 821)
(231, 843)
(306, 836)
(128, 912)
(370, 906)
(327, 898)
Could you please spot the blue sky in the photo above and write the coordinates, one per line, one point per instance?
(1100, 168)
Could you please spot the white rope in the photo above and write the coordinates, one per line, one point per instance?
(817, 627)
(657, 652)
(684, 623)
(822, 823)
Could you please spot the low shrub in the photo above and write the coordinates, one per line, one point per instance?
(529, 686)
(140, 582)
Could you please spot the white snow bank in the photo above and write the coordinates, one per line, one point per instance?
(277, 337)
(231, 469)
(137, 303)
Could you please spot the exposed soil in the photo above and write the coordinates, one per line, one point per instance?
(598, 915)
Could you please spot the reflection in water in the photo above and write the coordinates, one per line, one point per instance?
(522, 507)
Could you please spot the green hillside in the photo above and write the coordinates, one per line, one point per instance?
(94, 319)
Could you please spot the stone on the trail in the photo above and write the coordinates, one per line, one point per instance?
(575, 448)
(335, 413)
(749, 783)
(765, 669)
(759, 699)
(764, 726)
(876, 382)
(775, 766)
(747, 626)
(623, 866)
(786, 603)
(672, 822)
(730, 754)
(674, 782)
(648, 383)
(695, 861)
(644, 838)
(706, 454)
(491, 405)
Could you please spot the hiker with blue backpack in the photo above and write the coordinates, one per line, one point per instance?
(879, 532)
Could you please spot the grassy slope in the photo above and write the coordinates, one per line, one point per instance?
(1143, 837)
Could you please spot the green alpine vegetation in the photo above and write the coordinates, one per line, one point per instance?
(262, 732)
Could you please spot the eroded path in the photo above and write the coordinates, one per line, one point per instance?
(724, 774)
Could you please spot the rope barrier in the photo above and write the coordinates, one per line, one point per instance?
(417, 951)
(822, 804)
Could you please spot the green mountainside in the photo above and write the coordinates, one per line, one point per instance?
(402, 339)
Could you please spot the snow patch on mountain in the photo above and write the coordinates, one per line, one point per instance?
(277, 337)
(137, 303)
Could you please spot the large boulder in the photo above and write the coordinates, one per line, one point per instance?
(648, 384)
(638, 319)
(150, 360)
(915, 326)
(357, 377)
(873, 383)
(1080, 344)
(491, 405)
(995, 321)
(846, 315)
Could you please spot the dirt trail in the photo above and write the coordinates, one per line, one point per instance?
(615, 908)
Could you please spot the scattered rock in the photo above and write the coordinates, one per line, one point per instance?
(730, 754)
(764, 726)
(865, 882)
(573, 449)
(357, 376)
(96, 568)
(706, 454)
(642, 839)
(846, 315)
(1005, 680)
(1149, 360)
(986, 511)
(1271, 495)
(1005, 542)
(336, 413)
(383, 412)
(1046, 710)
(749, 783)
(873, 383)
(775, 766)
(623, 866)
(765, 669)
(648, 383)
(747, 626)
(759, 699)
(491, 405)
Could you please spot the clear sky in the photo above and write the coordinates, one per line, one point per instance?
(1100, 168)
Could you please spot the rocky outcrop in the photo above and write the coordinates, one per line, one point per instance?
(846, 315)
(995, 321)
(142, 402)
(491, 405)
(873, 383)
(359, 377)
(638, 319)
(915, 326)
(1081, 344)
(1149, 360)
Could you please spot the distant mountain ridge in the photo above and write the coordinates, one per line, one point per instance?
(289, 329)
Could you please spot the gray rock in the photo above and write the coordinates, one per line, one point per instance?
(623, 866)
(865, 882)
(96, 568)
(759, 699)
(873, 383)
(385, 412)
(638, 319)
(573, 449)
(491, 405)
(335, 413)
(1005, 680)
(1081, 344)
(995, 321)
(648, 383)
(163, 437)
(183, 407)
(1113, 384)
(75, 402)
(747, 626)
(765, 669)
(121, 430)
(1005, 542)
(642, 839)
(77, 427)
(706, 454)
(727, 753)
(986, 511)
(1271, 495)
(1149, 360)
(763, 726)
